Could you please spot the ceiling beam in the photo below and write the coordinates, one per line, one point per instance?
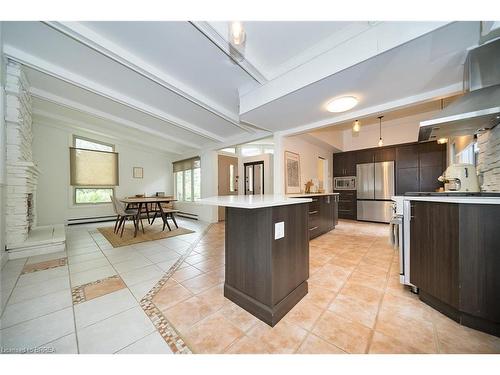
(220, 42)
(52, 98)
(58, 72)
(105, 47)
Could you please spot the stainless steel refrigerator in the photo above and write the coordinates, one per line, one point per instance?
(375, 187)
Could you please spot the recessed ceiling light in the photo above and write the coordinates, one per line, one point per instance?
(341, 104)
(442, 141)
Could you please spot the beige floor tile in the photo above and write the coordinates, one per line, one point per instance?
(346, 334)
(238, 316)
(170, 296)
(283, 338)
(304, 314)
(104, 287)
(315, 345)
(382, 344)
(247, 345)
(200, 283)
(454, 338)
(376, 281)
(355, 309)
(417, 333)
(187, 313)
(212, 335)
(319, 296)
(186, 273)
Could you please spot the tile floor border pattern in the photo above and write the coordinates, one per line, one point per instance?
(161, 323)
(42, 266)
(78, 292)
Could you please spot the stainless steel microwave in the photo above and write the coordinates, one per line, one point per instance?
(344, 183)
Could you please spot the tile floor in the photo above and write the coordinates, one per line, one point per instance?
(166, 295)
(355, 304)
(87, 299)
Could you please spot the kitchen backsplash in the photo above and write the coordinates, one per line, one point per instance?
(489, 159)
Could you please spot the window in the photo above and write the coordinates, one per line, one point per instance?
(93, 171)
(187, 177)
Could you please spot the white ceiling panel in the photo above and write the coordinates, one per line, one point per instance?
(90, 102)
(428, 63)
(180, 50)
(56, 50)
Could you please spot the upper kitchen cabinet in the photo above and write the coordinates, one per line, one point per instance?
(407, 156)
(344, 164)
(364, 156)
(385, 154)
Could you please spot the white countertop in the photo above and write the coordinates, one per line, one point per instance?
(450, 199)
(252, 201)
(310, 195)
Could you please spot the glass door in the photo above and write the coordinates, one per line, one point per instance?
(254, 178)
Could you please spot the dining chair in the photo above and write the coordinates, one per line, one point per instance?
(169, 213)
(122, 215)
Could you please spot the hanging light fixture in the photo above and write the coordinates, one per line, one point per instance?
(380, 142)
(237, 34)
(356, 126)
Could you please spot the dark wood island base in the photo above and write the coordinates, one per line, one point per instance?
(267, 275)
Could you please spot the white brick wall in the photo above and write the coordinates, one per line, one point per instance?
(22, 174)
(489, 159)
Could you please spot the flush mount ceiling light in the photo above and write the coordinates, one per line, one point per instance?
(380, 142)
(237, 34)
(356, 126)
(341, 104)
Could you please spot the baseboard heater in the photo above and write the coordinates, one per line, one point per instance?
(89, 220)
(187, 215)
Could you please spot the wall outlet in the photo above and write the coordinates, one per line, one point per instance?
(279, 230)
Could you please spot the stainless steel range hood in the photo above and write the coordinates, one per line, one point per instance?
(479, 108)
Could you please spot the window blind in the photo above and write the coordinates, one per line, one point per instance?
(93, 168)
(184, 165)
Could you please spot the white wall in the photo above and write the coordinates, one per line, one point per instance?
(268, 172)
(54, 202)
(3, 151)
(309, 149)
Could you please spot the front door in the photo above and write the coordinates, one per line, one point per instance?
(254, 178)
(228, 179)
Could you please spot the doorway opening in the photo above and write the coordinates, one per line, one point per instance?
(254, 177)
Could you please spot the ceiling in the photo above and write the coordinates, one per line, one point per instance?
(174, 85)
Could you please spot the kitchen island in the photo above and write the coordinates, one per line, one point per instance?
(454, 255)
(267, 252)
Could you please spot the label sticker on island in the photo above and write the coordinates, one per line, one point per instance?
(279, 230)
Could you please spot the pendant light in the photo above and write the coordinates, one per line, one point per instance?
(356, 126)
(380, 142)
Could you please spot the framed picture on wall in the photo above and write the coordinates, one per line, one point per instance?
(292, 173)
(138, 172)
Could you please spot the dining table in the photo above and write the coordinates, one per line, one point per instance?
(145, 201)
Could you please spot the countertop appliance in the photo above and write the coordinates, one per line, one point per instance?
(344, 183)
(375, 187)
(479, 108)
(460, 177)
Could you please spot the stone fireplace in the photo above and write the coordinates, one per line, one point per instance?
(22, 174)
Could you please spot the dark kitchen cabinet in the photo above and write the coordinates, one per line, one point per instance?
(344, 164)
(434, 250)
(347, 207)
(364, 156)
(407, 179)
(407, 156)
(385, 154)
(322, 214)
(454, 261)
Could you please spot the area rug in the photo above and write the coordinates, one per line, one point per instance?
(151, 233)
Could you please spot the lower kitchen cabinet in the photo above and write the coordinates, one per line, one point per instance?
(347, 206)
(454, 259)
(323, 214)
